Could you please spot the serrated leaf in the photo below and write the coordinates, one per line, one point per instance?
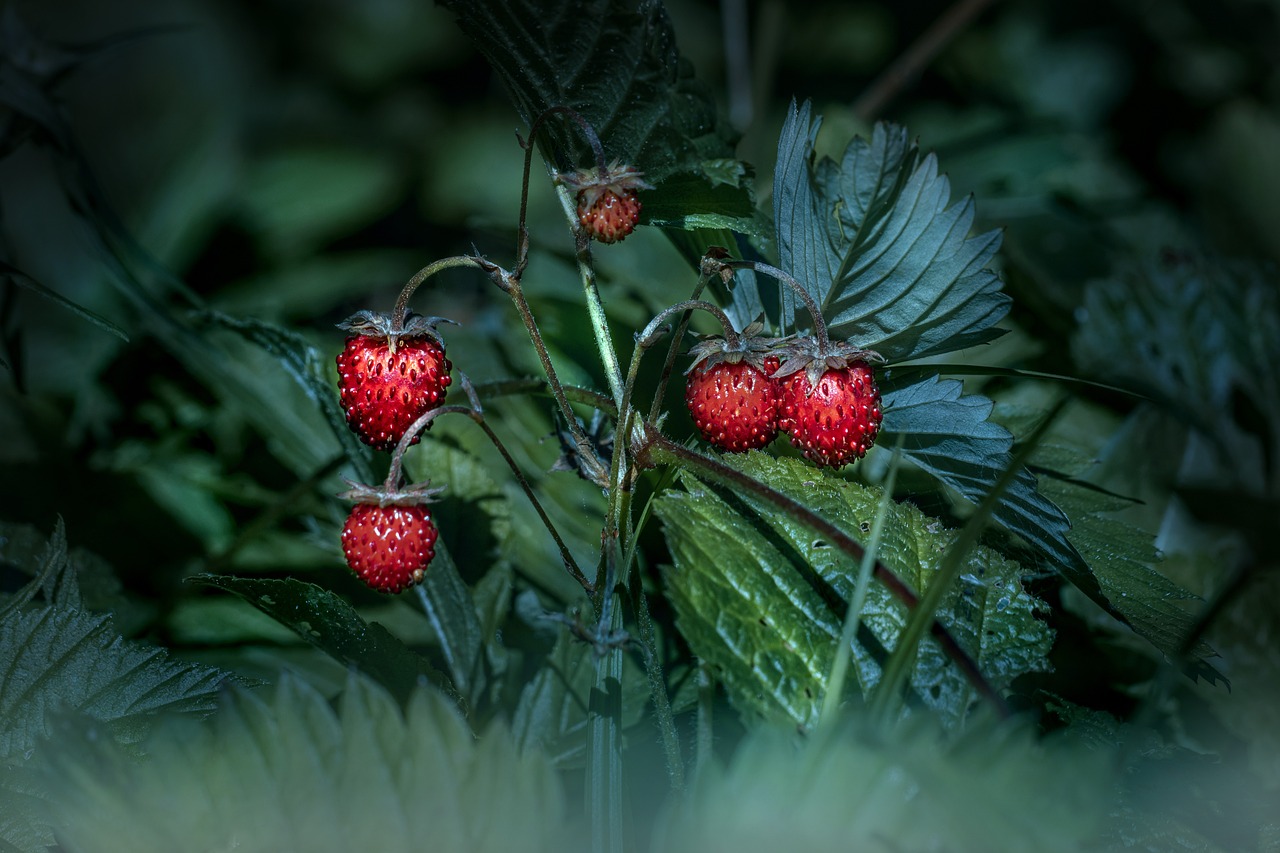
(1123, 558)
(748, 589)
(617, 64)
(949, 435)
(55, 656)
(58, 658)
(284, 771)
(332, 625)
(875, 243)
(992, 788)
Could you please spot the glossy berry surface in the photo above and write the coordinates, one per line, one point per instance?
(835, 421)
(389, 547)
(383, 393)
(735, 406)
(609, 216)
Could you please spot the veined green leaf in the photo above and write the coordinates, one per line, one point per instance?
(284, 771)
(617, 64)
(875, 243)
(56, 656)
(756, 596)
(331, 624)
(949, 435)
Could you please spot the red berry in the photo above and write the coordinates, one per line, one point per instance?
(836, 420)
(611, 217)
(383, 392)
(735, 405)
(389, 547)
(608, 206)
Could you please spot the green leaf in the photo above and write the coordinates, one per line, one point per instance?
(1202, 337)
(873, 240)
(617, 64)
(331, 624)
(303, 363)
(285, 771)
(949, 435)
(759, 599)
(1124, 559)
(992, 788)
(56, 656)
(21, 279)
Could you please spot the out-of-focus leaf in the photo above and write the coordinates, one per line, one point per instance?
(751, 594)
(873, 241)
(302, 362)
(298, 197)
(552, 712)
(1202, 337)
(285, 771)
(991, 788)
(21, 279)
(331, 624)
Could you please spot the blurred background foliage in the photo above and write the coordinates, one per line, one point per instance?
(165, 165)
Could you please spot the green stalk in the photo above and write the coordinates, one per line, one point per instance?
(840, 666)
(595, 308)
(888, 694)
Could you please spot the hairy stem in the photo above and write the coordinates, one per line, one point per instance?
(401, 310)
(819, 326)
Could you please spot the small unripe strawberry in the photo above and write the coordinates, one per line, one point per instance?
(389, 379)
(830, 402)
(608, 204)
(389, 547)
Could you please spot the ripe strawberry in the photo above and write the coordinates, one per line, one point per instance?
(389, 547)
(387, 380)
(830, 403)
(731, 393)
(608, 205)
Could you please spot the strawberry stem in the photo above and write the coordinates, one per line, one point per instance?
(476, 414)
(819, 325)
(704, 276)
(401, 311)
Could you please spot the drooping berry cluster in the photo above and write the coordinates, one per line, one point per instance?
(388, 378)
(741, 396)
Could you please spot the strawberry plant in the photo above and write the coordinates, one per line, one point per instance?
(789, 472)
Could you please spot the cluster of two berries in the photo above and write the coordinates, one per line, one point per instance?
(742, 391)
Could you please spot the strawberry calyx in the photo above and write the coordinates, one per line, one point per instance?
(808, 354)
(593, 183)
(414, 494)
(378, 324)
(746, 347)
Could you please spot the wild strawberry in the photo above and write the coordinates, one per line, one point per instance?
(389, 538)
(389, 379)
(830, 403)
(608, 205)
(731, 395)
